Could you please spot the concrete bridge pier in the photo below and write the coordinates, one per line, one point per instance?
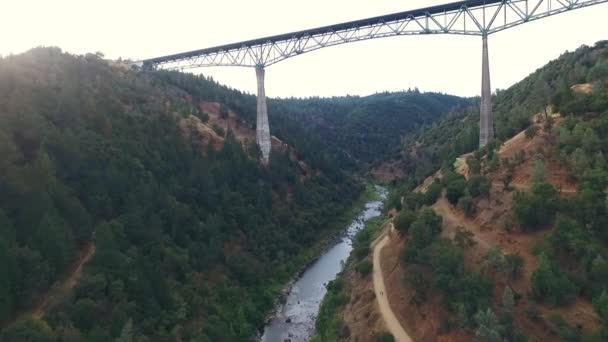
(262, 129)
(486, 122)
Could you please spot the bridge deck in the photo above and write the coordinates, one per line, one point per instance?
(330, 28)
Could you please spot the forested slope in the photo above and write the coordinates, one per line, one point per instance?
(194, 238)
(191, 244)
(369, 128)
(546, 89)
(515, 248)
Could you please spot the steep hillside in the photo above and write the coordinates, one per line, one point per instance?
(369, 128)
(191, 238)
(506, 243)
(437, 144)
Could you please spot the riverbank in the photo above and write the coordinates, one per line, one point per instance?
(329, 326)
(294, 270)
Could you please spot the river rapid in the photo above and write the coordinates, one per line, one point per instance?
(294, 321)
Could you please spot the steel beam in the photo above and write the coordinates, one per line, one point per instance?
(484, 17)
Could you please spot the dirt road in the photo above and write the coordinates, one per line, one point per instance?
(392, 324)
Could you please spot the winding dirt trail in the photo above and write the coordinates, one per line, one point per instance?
(63, 287)
(391, 321)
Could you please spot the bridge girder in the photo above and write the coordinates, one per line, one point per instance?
(477, 18)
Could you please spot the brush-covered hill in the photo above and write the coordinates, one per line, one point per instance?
(563, 84)
(510, 243)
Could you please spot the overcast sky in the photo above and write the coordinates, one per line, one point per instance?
(140, 29)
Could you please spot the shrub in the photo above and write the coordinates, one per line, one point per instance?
(466, 205)
(432, 193)
(538, 207)
(455, 190)
(223, 111)
(219, 130)
(422, 233)
(494, 163)
(551, 284)
(531, 131)
(532, 313)
(600, 304)
(513, 265)
(474, 165)
(404, 220)
(384, 337)
(478, 185)
(464, 237)
(364, 267)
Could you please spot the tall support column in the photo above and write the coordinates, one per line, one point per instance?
(486, 122)
(262, 130)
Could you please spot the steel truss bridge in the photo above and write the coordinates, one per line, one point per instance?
(473, 18)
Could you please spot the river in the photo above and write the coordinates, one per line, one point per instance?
(295, 319)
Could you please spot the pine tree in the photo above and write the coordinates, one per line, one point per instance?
(508, 300)
(488, 328)
(539, 173)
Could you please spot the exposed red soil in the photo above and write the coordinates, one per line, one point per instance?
(388, 171)
(493, 224)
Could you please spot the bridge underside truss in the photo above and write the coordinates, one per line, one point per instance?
(479, 18)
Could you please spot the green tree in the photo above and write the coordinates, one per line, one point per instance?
(464, 237)
(513, 265)
(550, 284)
(422, 232)
(495, 259)
(541, 95)
(478, 185)
(488, 327)
(126, 335)
(579, 162)
(432, 193)
(600, 304)
(531, 131)
(466, 204)
(494, 163)
(538, 207)
(84, 314)
(474, 165)
(223, 111)
(28, 330)
(404, 220)
(539, 173)
(508, 300)
(364, 267)
(598, 72)
(455, 190)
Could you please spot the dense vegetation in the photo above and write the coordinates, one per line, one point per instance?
(370, 128)
(191, 245)
(435, 145)
(572, 258)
